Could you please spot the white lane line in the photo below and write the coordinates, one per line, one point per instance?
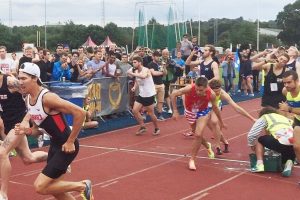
(114, 182)
(201, 196)
(24, 184)
(134, 173)
(213, 186)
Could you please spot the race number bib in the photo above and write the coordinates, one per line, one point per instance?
(274, 87)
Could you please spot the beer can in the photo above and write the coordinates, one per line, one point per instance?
(63, 79)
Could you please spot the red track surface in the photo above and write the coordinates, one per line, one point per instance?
(128, 167)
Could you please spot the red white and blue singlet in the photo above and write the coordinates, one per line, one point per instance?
(196, 106)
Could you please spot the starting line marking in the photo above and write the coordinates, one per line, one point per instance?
(213, 186)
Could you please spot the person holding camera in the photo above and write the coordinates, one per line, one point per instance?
(186, 47)
(169, 77)
(273, 82)
(208, 67)
(228, 71)
(158, 70)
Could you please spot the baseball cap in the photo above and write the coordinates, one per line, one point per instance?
(31, 69)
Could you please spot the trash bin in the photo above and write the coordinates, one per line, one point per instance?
(72, 92)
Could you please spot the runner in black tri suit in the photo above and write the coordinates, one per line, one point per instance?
(46, 109)
(14, 110)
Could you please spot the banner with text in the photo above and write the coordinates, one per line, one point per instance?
(108, 95)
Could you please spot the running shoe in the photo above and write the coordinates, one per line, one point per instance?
(3, 198)
(170, 111)
(87, 193)
(188, 134)
(141, 130)
(258, 168)
(69, 169)
(192, 165)
(218, 151)
(161, 118)
(226, 149)
(156, 131)
(210, 152)
(13, 153)
(287, 171)
(144, 116)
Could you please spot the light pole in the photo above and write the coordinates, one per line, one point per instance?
(45, 24)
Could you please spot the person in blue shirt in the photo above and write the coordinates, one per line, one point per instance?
(193, 74)
(61, 69)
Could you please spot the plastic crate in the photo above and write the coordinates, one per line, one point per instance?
(272, 162)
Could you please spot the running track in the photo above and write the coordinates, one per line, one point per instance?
(128, 167)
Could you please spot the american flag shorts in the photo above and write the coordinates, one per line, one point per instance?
(193, 116)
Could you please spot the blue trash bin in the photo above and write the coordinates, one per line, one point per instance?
(72, 92)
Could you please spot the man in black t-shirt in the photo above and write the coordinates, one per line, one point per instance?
(158, 70)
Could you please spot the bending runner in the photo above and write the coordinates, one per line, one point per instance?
(197, 112)
(213, 123)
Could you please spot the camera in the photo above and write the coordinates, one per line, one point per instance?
(134, 69)
(198, 49)
(171, 63)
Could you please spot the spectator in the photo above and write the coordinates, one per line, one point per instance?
(176, 50)
(293, 64)
(88, 123)
(111, 69)
(157, 72)
(15, 59)
(66, 49)
(61, 69)
(124, 65)
(228, 72)
(186, 47)
(45, 66)
(180, 65)
(193, 74)
(7, 65)
(96, 65)
(169, 77)
(30, 55)
(59, 52)
(80, 50)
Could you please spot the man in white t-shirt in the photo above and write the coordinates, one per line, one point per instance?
(96, 65)
(111, 69)
(7, 65)
(146, 97)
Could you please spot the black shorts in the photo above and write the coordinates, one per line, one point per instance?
(146, 101)
(58, 161)
(8, 125)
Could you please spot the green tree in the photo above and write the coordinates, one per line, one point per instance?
(289, 21)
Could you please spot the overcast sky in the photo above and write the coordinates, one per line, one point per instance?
(123, 12)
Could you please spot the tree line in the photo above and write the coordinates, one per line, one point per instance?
(235, 31)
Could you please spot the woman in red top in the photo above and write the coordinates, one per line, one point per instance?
(197, 111)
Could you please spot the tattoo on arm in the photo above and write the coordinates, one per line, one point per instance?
(5, 143)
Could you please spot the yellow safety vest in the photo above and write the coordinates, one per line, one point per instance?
(276, 122)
